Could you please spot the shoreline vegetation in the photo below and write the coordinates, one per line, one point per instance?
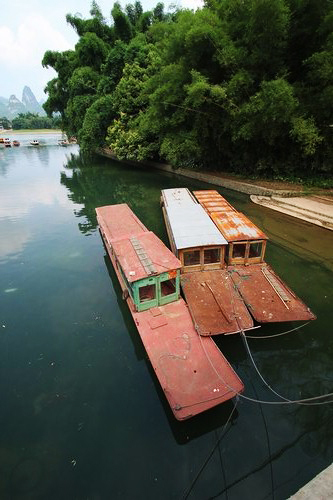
(31, 131)
(236, 182)
(242, 87)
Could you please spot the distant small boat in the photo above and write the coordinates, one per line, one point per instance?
(7, 143)
(16, 143)
(2, 142)
(34, 142)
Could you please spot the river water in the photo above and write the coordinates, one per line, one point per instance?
(82, 415)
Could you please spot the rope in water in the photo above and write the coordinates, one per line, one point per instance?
(284, 402)
(300, 401)
(277, 334)
(189, 489)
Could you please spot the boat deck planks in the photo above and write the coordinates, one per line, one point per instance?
(215, 305)
(267, 297)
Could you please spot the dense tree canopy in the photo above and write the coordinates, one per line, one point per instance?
(238, 85)
(35, 121)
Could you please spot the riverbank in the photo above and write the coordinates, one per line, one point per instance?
(263, 188)
(316, 209)
(310, 205)
(321, 487)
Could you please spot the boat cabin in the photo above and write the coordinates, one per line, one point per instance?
(193, 237)
(246, 242)
(147, 270)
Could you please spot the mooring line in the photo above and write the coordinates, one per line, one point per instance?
(306, 401)
(189, 489)
(277, 334)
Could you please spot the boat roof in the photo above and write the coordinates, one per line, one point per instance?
(140, 252)
(120, 221)
(178, 197)
(212, 200)
(191, 226)
(234, 225)
(143, 256)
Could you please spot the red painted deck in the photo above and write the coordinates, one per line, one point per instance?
(267, 297)
(214, 302)
(192, 371)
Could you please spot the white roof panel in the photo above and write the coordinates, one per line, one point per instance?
(191, 226)
(178, 197)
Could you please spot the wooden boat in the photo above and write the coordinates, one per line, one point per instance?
(16, 143)
(63, 142)
(193, 373)
(34, 142)
(215, 305)
(2, 142)
(267, 297)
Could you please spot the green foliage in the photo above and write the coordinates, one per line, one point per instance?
(306, 133)
(125, 136)
(96, 120)
(158, 13)
(97, 24)
(5, 122)
(112, 68)
(239, 85)
(75, 112)
(181, 150)
(267, 114)
(91, 51)
(122, 24)
(84, 80)
(35, 121)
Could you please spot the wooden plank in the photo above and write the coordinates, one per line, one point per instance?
(215, 305)
(263, 300)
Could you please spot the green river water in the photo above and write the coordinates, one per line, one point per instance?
(82, 415)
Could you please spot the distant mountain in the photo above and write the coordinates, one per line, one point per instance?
(30, 102)
(15, 107)
(9, 108)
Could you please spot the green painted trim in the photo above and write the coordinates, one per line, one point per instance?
(173, 296)
(158, 300)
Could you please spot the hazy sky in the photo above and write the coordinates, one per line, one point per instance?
(29, 28)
